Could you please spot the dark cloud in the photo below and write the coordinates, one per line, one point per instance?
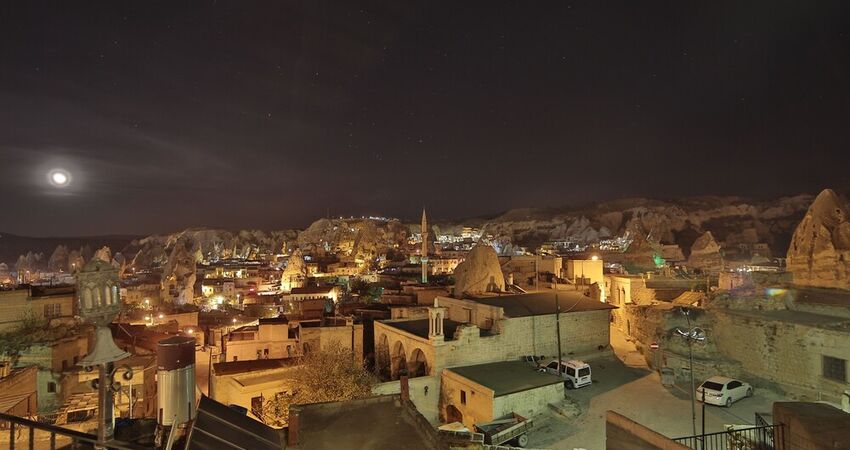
(270, 114)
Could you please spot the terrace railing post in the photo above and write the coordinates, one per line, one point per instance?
(32, 438)
(11, 435)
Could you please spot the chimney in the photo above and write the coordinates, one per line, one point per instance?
(294, 425)
(405, 387)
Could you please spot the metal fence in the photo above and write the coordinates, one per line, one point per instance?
(21, 433)
(767, 437)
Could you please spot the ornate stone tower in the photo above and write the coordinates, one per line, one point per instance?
(423, 255)
(436, 315)
(99, 302)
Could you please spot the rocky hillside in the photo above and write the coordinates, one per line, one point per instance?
(206, 244)
(39, 251)
(357, 237)
(731, 220)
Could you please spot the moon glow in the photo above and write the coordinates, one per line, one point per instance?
(59, 177)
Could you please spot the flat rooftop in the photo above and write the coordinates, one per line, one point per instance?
(506, 377)
(543, 303)
(375, 423)
(419, 327)
(796, 317)
(255, 380)
(233, 367)
(822, 296)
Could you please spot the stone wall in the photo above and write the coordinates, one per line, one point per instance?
(424, 393)
(648, 324)
(625, 289)
(784, 352)
(622, 433)
(19, 383)
(582, 333)
(812, 426)
(240, 388)
(528, 403)
(348, 336)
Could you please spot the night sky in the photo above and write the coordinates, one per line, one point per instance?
(270, 115)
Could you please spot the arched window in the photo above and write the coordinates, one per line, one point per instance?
(96, 300)
(87, 298)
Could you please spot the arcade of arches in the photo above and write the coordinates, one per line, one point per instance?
(392, 357)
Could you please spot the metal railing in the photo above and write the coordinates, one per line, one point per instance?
(28, 434)
(769, 437)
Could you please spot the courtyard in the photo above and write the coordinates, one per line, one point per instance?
(623, 383)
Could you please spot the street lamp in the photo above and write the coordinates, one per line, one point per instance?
(99, 303)
(692, 334)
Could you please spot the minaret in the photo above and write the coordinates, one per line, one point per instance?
(423, 255)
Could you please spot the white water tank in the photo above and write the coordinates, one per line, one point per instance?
(175, 379)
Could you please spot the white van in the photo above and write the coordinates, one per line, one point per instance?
(576, 373)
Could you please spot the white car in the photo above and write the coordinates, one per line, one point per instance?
(576, 373)
(722, 391)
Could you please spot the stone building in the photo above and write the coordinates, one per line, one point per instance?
(249, 383)
(774, 336)
(56, 361)
(585, 271)
(53, 304)
(493, 328)
(320, 334)
(269, 339)
(279, 338)
(486, 392)
(462, 332)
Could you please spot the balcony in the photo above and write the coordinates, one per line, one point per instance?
(20, 433)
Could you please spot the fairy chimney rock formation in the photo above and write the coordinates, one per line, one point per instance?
(819, 254)
(705, 254)
(480, 272)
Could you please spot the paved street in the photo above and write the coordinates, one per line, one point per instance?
(624, 384)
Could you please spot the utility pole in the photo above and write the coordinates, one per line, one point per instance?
(693, 334)
(536, 273)
(558, 326)
(702, 439)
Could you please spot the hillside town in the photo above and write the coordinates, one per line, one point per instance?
(642, 328)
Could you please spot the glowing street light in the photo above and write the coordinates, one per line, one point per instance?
(694, 334)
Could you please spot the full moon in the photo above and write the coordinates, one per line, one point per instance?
(59, 177)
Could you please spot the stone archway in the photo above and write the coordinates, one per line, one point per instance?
(398, 359)
(417, 365)
(383, 358)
